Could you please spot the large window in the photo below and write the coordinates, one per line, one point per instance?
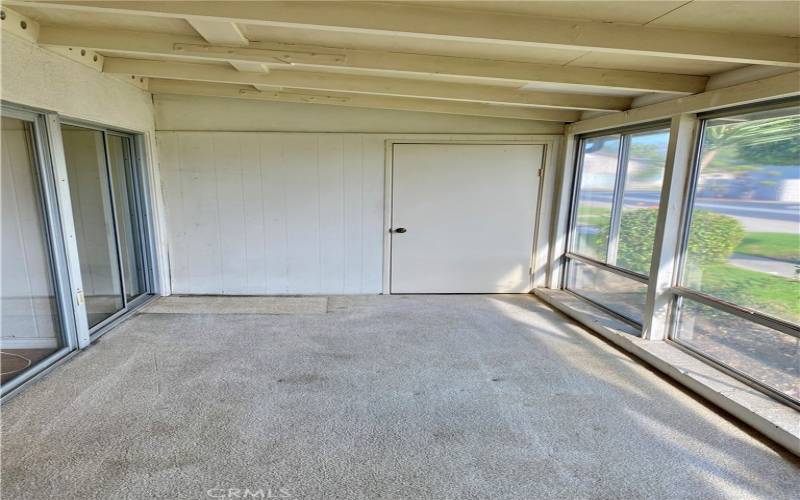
(617, 192)
(739, 286)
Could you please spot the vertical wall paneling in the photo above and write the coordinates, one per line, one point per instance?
(273, 213)
(331, 214)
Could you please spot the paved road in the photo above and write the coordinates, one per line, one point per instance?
(764, 216)
(764, 265)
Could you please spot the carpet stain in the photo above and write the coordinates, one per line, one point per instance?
(306, 378)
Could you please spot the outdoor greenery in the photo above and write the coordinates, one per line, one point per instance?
(770, 141)
(636, 236)
(778, 246)
(771, 294)
(593, 216)
(711, 241)
(712, 238)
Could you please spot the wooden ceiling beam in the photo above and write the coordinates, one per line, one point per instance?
(442, 23)
(361, 84)
(159, 86)
(196, 48)
(226, 33)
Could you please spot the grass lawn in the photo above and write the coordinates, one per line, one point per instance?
(780, 246)
(771, 294)
(593, 216)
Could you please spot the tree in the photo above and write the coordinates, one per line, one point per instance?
(770, 141)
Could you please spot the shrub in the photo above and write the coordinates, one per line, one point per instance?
(712, 240)
(713, 237)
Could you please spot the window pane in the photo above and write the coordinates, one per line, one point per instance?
(94, 224)
(30, 321)
(647, 155)
(744, 240)
(593, 208)
(622, 295)
(767, 355)
(119, 153)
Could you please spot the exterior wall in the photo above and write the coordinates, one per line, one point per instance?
(38, 78)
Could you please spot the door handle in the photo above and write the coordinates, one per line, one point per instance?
(400, 230)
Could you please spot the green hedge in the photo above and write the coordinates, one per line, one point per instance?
(712, 240)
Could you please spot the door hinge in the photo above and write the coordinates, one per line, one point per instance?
(79, 296)
(540, 172)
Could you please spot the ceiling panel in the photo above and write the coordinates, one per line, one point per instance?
(636, 12)
(765, 17)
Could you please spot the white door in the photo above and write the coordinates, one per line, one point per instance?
(463, 217)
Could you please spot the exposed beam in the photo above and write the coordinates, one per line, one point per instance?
(485, 69)
(191, 47)
(439, 23)
(225, 33)
(275, 53)
(362, 84)
(776, 87)
(158, 86)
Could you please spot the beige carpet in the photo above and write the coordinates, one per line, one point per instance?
(384, 397)
(210, 304)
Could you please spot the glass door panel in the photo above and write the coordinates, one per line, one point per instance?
(128, 225)
(30, 327)
(92, 210)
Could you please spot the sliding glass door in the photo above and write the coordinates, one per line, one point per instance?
(107, 219)
(35, 319)
(52, 280)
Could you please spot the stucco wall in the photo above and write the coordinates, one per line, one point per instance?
(38, 78)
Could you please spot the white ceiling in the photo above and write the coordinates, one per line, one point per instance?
(776, 19)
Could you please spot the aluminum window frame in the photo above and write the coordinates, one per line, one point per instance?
(624, 134)
(138, 171)
(54, 232)
(680, 292)
(629, 321)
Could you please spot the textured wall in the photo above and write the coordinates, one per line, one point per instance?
(40, 78)
(35, 77)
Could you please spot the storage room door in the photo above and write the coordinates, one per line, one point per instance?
(463, 217)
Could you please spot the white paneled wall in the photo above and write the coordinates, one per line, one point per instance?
(273, 213)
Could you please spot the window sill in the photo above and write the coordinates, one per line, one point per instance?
(775, 420)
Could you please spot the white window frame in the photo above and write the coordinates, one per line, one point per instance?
(677, 293)
(624, 135)
(684, 129)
